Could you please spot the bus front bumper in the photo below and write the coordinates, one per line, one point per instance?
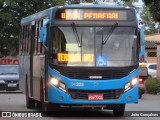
(55, 95)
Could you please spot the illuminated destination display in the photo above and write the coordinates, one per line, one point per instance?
(65, 57)
(88, 15)
(93, 14)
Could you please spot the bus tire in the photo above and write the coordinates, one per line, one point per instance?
(40, 103)
(50, 108)
(47, 108)
(30, 103)
(119, 110)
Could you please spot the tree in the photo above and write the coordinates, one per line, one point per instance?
(154, 8)
(149, 24)
(120, 2)
(11, 13)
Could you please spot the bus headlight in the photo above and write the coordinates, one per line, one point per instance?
(54, 81)
(127, 87)
(130, 84)
(62, 86)
(57, 83)
(134, 81)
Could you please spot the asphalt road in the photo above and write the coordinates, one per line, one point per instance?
(15, 101)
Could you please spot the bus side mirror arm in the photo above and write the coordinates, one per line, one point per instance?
(43, 33)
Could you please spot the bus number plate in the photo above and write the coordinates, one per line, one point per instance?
(95, 96)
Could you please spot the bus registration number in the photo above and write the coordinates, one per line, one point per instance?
(78, 84)
(95, 96)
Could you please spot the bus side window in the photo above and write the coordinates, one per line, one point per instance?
(35, 38)
(21, 41)
(139, 41)
(41, 45)
(29, 39)
(38, 37)
(26, 39)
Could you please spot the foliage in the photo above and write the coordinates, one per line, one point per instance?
(120, 2)
(11, 13)
(152, 85)
(149, 24)
(154, 8)
(126, 2)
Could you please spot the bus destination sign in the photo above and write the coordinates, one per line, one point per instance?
(91, 14)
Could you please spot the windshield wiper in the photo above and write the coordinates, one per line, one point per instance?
(109, 34)
(76, 33)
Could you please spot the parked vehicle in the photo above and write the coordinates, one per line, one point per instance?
(9, 77)
(152, 69)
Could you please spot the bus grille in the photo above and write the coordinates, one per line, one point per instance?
(83, 94)
(84, 73)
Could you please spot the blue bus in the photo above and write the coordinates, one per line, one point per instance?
(84, 56)
(143, 71)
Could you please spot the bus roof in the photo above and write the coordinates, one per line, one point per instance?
(92, 6)
(48, 12)
(38, 15)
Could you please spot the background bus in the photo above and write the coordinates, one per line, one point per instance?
(80, 56)
(143, 71)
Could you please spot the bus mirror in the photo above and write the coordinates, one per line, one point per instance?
(43, 33)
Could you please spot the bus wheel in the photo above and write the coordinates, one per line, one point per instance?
(119, 110)
(50, 108)
(30, 103)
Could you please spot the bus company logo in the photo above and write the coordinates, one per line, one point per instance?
(95, 77)
(20, 114)
(6, 114)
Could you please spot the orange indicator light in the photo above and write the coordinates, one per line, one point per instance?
(64, 57)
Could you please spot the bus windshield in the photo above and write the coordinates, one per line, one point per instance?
(119, 49)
